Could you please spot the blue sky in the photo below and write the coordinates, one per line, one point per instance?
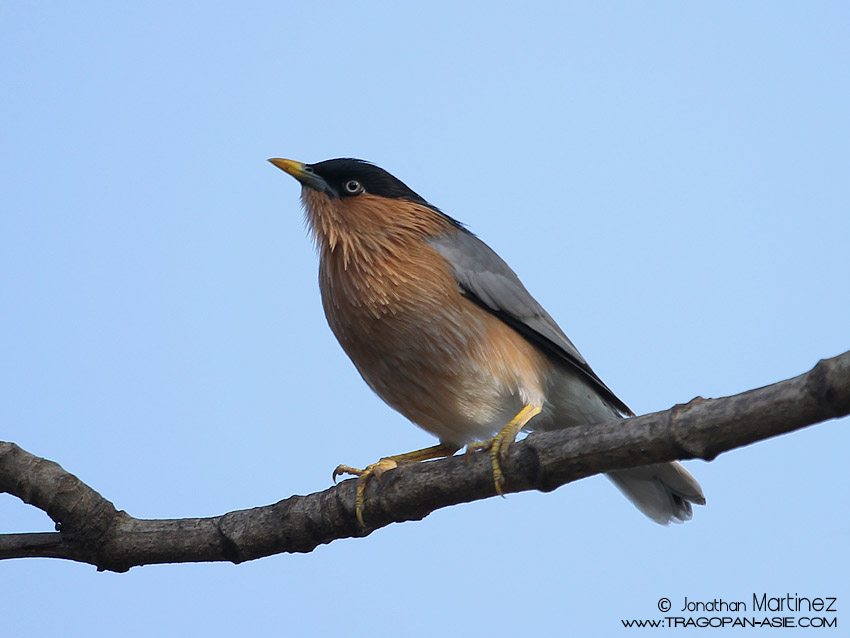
(668, 179)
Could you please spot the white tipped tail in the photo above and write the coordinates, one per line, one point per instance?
(664, 491)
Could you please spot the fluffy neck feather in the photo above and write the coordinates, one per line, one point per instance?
(360, 230)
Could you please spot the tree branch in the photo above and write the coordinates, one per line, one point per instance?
(92, 530)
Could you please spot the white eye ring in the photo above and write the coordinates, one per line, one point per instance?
(353, 187)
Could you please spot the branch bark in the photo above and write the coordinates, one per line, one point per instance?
(92, 530)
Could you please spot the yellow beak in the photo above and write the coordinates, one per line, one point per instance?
(296, 169)
(305, 174)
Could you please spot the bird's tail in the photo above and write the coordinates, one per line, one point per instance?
(664, 491)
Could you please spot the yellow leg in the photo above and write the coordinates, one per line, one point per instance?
(500, 443)
(389, 463)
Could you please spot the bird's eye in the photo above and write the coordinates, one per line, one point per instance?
(353, 187)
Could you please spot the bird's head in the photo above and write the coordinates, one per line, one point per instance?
(353, 201)
(345, 178)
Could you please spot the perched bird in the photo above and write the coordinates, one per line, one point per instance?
(443, 330)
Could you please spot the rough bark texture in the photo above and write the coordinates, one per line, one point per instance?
(92, 530)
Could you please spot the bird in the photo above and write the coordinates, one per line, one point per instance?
(441, 329)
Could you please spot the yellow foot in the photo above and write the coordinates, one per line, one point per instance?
(501, 443)
(363, 478)
(388, 463)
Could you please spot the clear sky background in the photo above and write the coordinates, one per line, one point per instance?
(669, 179)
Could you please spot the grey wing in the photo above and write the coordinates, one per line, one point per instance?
(486, 279)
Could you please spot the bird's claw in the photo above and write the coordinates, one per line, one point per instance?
(500, 444)
(498, 447)
(345, 469)
(363, 477)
